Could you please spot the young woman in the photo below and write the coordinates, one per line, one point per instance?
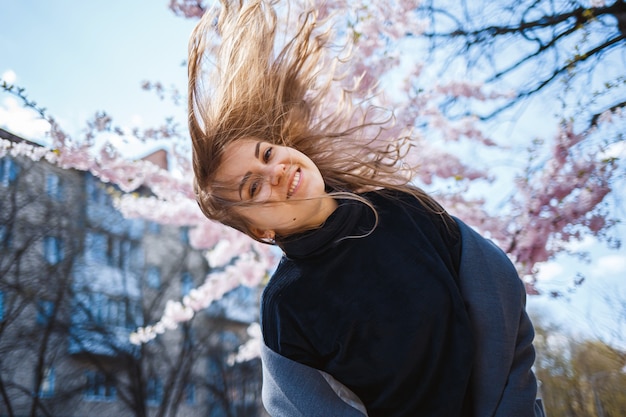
(383, 304)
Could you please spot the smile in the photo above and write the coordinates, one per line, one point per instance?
(294, 183)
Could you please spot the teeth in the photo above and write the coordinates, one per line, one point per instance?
(296, 180)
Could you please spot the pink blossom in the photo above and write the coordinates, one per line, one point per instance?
(251, 349)
(187, 8)
(556, 198)
(250, 270)
(177, 311)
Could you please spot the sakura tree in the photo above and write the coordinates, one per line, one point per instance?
(554, 191)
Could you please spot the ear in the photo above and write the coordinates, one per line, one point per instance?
(263, 234)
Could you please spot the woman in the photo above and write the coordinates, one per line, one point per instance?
(372, 310)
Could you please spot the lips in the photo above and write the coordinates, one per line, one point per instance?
(295, 182)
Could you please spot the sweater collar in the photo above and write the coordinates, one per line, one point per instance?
(340, 224)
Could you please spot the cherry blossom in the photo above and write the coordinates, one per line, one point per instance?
(557, 197)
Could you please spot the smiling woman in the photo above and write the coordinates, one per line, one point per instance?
(380, 294)
(280, 188)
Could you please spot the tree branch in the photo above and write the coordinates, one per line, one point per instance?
(583, 16)
(600, 48)
(596, 117)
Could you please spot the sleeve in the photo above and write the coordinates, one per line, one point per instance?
(503, 383)
(521, 387)
(291, 389)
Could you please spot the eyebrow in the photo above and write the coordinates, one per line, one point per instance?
(248, 174)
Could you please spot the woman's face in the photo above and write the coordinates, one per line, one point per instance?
(286, 188)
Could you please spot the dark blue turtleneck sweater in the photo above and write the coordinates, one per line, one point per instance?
(382, 313)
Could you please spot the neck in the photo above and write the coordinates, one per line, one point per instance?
(327, 206)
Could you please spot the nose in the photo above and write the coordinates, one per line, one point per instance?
(277, 173)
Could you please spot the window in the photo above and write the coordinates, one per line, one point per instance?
(115, 312)
(186, 283)
(45, 310)
(119, 252)
(53, 250)
(113, 251)
(96, 247)
(97, 307)
(125, 254)
(54, 187)
(6, 237)
(190, 394)
(107, 311)
(99, 387)
(112, 311)
(135, 315)
(184, 235)
(8, 171)
(154, 391)
(47, 383)
(154, 227)
(188, 336)
(95, 190)
(215, 372)
(153, 277)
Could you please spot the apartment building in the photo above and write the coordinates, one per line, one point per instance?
(76, 278)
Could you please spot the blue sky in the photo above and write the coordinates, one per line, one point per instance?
(76, 57)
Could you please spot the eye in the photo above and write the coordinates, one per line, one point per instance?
(267, 154)
(254, 187)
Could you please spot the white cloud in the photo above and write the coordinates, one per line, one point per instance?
(18, 119)
(136, 120)
(21, 121)
(612, 264)
(549, 271)
(588, 242)
(9, 76)
(615, 150)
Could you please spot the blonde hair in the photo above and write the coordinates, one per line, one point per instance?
(283, 95)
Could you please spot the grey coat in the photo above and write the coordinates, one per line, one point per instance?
(502, 382)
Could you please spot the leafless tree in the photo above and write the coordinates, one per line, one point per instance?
(64, 323)
(530, 46)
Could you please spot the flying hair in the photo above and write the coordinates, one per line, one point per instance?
(260, 69)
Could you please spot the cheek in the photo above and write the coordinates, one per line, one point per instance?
(318, 183)
(261, 214)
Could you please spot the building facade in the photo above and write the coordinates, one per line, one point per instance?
(76, 278)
